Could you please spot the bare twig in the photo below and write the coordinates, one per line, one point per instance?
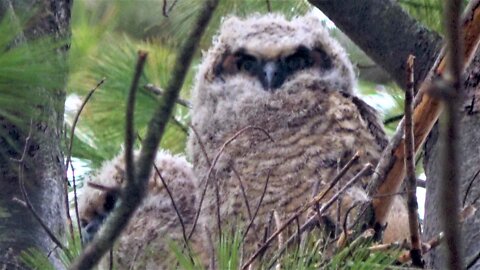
(252, 218)
(159, 92)
(170, 195)
(69, 160)
(165, 10)
(469, 187)
(202, 145)
(21, 164)
(217, 204)
(134, 191)
(393, 119)
(77, 117)
(75, 204)
(244, 193)
(366, 169)
(411, 180)
(210, 170)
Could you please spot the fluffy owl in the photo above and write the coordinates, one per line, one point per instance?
(144, 244)
(290, 78)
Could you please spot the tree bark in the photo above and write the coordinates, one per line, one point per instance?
(386, 33)
(43, 166)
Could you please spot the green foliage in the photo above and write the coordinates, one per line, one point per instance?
(28, 71)
(36, 259)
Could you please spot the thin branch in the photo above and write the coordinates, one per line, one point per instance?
(252, 219)
(449, 185)
(469, 187)
(69, 161)
(159, 92)
(75, 204)
(210, 170)
(77, 117)
(134, 190)
(366, 169)
(393, 119)
(411, 180)
(170, 195)
(244, 193)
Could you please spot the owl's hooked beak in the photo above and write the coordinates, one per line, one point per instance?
(272, 76)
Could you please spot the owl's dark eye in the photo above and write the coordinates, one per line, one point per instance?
(299, 60)
(110, 200)
(322, 59)
(247, 63)
(296, 62)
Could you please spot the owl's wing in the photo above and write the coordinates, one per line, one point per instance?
(370, 115)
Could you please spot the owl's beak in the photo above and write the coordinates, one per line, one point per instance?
(272, 76)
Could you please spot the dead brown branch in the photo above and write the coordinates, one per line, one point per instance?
(411, 180)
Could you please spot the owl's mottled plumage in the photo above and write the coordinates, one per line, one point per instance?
(144, 244)
(312, 113)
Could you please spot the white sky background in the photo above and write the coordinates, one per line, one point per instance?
(380, 101)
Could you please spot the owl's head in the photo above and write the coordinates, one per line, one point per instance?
(266, 70)
(270, 51)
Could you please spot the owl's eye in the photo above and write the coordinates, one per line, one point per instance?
(296, 62)
(247, 63)
(299, 60)
(110, 200)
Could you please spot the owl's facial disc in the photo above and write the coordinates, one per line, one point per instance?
(272, 73)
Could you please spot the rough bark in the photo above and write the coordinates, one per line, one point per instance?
(469, 165)
(384, 31)
(43, 167)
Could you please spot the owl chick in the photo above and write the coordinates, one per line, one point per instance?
(290, 78)
(144, 244)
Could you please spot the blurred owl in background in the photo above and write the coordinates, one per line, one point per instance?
(291, 79)
(145, 243)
